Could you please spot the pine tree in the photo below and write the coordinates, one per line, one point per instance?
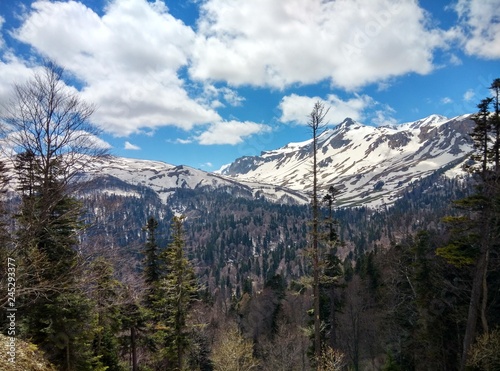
(177, 288)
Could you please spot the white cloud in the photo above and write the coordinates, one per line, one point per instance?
(446, 100)
(12, 71)
(278, 43)
(214, 96)
(296, 108)
(230, 132)
(384, 117)
(127, 61)
(183, 141)
(469, 95)
(480, 26)
(455, 60)
(130, 146)
(207, 165)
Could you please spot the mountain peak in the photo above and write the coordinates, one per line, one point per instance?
(348, 122)
(431, 120)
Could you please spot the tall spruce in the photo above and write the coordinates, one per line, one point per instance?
(332, 271)
(481, 219)
(151, 252)
(177, 288)
(151, 262)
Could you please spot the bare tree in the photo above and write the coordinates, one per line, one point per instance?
(316, 124)
(47, 119)
(231, 351)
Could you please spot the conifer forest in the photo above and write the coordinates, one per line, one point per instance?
(220, 280)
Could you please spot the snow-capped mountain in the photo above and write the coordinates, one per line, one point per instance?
(166, 179)
(368, 165)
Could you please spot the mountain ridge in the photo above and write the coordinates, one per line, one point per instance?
(366, 164)
(369, 166)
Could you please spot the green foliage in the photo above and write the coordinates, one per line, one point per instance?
(177, 289)
(458, 253)
(151, 261)
(108, 322)
(422, 307)
(63, 329)
(28, 357)
(463, 248)
(390, 364)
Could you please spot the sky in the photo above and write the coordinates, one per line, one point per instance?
(203, 82)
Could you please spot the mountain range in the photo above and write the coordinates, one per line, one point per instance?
(368, 165)
(250, 219)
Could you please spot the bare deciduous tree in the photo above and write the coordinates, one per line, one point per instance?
(49, 120)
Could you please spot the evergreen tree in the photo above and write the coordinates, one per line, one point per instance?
(481, 220)
(105, 295)
(482, 137)
(495, 122)
(47, 237)
(152, 264)
(331, 280)
(54, 142)
(151, 261)
(177, 289)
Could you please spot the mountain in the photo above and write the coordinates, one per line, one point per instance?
(369, 165)
(165, 180)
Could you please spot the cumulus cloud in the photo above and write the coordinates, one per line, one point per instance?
(132, 147)
(216, 96)
(126, 60)
(278, 43)
(479, 23)
(384, 117)
(230, 132)
(12, 71)
(296, 108)
(133, 58)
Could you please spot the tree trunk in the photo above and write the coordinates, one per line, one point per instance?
(317, 320)
(133, 348)
(475, 299)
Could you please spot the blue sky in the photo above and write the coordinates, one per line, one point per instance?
(202, 82)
